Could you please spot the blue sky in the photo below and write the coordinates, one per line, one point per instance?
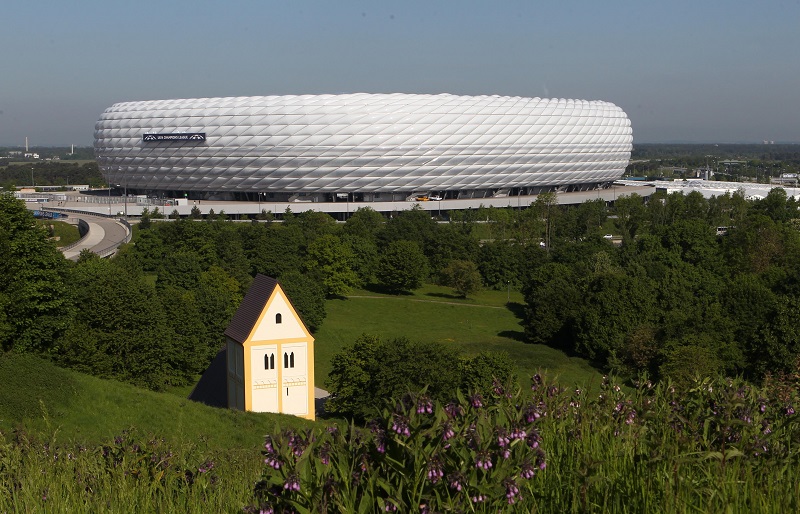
(693, 71)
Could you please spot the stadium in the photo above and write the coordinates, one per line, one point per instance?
(362, 147)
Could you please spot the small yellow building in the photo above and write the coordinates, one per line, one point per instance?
(270, 354)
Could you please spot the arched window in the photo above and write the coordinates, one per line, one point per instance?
(291, 360)
(278, 318)
(285, 360)
(266, 361)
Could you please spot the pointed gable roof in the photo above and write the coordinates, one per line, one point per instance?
(246, 316)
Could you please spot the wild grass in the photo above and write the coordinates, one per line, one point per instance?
(716, 446)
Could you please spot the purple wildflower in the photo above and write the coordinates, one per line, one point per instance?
(400, 425)
(497, 388)
(455, 481)
(453, 410)
(435, 472)
(528, 471)
(512, 491)
(533, 439)
(424, 405)
(325, 453)
(503, 439)
(483, 461)
(273, 461)
(292, 483)
(536, 381)
(447, 431)
(476, 400)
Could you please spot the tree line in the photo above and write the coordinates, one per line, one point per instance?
(698, 288)
(674, 298)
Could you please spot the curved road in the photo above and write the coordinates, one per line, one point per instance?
(105, 234)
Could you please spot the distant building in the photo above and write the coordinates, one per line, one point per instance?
(363, 147)
(270, 354)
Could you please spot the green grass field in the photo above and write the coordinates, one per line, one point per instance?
(41, 398)
(64, 233)
(433, 313)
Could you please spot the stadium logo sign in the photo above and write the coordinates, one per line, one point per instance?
(179, 136)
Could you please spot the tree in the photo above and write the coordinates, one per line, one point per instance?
(410, 225)
(330, 260)
(365, 223)
(553, 298)
(217, 297)
(365, 374)
(307, 296)
(481, 373)
(463, 277)
(500, 263)
(546, 207)
(402, 267)
(120, 327)
(631, 214)
(36, 304)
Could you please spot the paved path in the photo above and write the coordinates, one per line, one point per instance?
(92, 238)
(103, 238)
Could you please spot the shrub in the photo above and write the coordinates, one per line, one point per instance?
(419, 456)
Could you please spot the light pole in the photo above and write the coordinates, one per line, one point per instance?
(125, 200)
(33, 183)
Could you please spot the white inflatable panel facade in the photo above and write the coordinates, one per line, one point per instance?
(361, 143)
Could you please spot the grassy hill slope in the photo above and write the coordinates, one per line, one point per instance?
(43, 399)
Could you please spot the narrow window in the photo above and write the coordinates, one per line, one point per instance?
(271, 361)
(291, 360)
(278, 318)
(266, 361)
(285, 360)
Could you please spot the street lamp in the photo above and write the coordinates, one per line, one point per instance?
(125, 200)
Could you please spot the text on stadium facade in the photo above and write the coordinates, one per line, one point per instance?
(181, 136)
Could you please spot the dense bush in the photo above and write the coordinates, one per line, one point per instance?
(365, 374)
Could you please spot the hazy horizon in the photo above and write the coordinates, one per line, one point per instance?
(684, 72)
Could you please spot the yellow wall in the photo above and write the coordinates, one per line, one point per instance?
(266, 331)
